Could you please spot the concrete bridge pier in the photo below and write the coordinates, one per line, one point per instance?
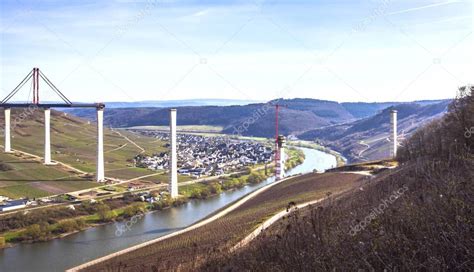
(173, 186)
(7, 135)
(100, 176)
(47, 136)
(280, 164)
(394, 132)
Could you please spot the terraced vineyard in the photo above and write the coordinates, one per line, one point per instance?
(187, 250)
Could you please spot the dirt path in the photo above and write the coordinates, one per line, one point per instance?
(142, 150)
(116, 149)
(366, 144)
(363, 150)
(269, 222)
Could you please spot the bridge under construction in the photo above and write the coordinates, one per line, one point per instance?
(33, 78)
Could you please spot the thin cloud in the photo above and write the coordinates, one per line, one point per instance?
(424, 7)
(201, 13)
(445, 20)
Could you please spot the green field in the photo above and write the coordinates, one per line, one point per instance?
(26, 177)
(73, 142)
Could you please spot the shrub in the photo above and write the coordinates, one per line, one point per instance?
(134, 209)
(36, 232)
(33, 231)
(256, 177)
(67, 226)
(216, 188)
(104, 213)
(5, 167)
(165, 202)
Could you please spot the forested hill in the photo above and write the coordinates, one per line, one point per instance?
(297, 116)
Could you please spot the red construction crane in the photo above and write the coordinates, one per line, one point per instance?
(35, 76)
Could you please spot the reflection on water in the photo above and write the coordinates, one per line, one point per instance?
(59, 254)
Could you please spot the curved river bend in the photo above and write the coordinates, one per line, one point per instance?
(60, 254)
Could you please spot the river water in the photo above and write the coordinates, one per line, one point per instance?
(60, 254)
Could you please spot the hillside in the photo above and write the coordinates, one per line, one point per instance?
(186, 250)
(419, 217)
(297, 116)
(367, 139)
(73, 142)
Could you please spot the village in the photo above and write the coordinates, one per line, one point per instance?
(198, 156)
(207, 156)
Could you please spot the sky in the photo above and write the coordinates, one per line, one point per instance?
(340, 50)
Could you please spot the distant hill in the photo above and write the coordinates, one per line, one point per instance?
(367, 138)
(329, 110)
(297, 116)
(232, 118)
(362, 109)
(180, 103)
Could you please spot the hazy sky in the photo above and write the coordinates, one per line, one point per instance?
(132, 50)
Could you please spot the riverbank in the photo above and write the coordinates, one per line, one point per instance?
(92, 243)
(66, 221)
(340, 159)
(221, 233)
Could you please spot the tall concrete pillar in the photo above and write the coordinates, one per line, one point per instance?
(100, 145)
(47, 136)
(280, 163)
(394, 133)
(173, 186)
(7, 131)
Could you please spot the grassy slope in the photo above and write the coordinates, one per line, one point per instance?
(74, 143)
(185, 249)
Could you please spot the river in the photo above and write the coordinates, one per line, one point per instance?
(75, 249)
